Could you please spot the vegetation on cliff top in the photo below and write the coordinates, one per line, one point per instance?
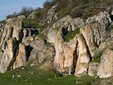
(74, 8)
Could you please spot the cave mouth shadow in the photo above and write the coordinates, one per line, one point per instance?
(111, 16)
(28, 49)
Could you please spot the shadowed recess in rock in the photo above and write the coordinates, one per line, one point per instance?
(28, 49)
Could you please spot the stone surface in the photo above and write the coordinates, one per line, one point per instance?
(21, 57)
(8, 57)
(33, 15)
(83, 57)
(73, 57)
(94, 34)
(105, 68)
(104, 19)
(41, 51)
(92, 69)
(51, 13)
(13, 52)
(12, 28)
(91, 20)
(22, 46)
(21, 17)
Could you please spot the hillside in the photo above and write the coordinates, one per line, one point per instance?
(68, 40)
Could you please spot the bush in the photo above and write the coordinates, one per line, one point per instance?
(12, 15)
(26, 10)
(30, 23)
(97, 55)
(70, 35)
(48, 4)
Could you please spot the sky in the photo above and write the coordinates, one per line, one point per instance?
(10, 6)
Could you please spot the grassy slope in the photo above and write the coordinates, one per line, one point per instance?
(33, 76)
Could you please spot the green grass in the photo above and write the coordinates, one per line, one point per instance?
(96, 59)
(34, 76)
(97, 55)
(71, 35)
(30, 23)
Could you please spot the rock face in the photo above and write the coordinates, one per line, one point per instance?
(41, 51)
(103, 18)
(105, 68)
(21, 17)
(51, 13)
(13, 45)
(71, 48)
(74, 56)
(94, 34)
(33, 15)
(8, 55)
(13, 28)
(83, 57)
(21, 57)
(92, 69)
(58, 43)
(55, 36)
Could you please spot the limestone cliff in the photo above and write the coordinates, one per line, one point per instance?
(71, 46)
(74, 56)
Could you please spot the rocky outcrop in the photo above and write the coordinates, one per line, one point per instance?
(74, 56)
(7, 59)
(34, 15)
(21, 57)
(55, 36)
(94, 34)
(72, 49)
(21, 17)
(103, 18)
(41, 51)
(92, 69)
(58, 43)
(13, 44)
(52, 13)
(12, 28)
(105, 68)
(83, 56)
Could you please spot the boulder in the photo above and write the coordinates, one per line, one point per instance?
(104, 19)
(33, 15)
(70, 50)
(94, 34)
(12, 28)
(21, 57)
(21, 17)
(83, 57)
(8, 57)
(105, 68)
(41, 51)
(92, 69)
(14, 53)
(91, 20)
(51, 13)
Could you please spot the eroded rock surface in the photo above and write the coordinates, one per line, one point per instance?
(74, 56)
(13, 46)
(105, 68)
(73, 44)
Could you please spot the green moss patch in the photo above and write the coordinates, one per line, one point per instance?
(97, 55)
(70, 35)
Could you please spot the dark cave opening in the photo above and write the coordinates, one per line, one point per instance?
(28, 49)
